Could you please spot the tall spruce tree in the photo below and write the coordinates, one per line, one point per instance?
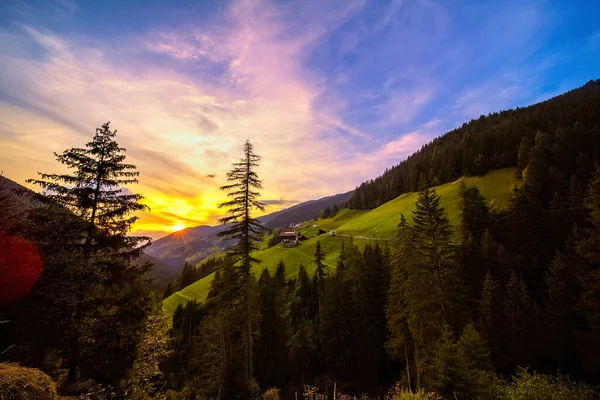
(318, 280)
(370, 300)
(337, 333)
(274, 330)
(433, 284)
(399, 343)
(94, 192)
(474, 220)
(303, 350)
(243, 199)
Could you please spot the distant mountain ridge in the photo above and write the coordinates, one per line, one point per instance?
(192, 245)
(162, 272)
(307, 210)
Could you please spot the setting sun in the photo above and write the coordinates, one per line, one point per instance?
(176, 228)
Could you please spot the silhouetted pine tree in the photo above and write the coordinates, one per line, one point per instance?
(94, 192)
(337, 331)
(243, 199)
(399, 343)
(370, 299)
(318, 284)
(274, 331)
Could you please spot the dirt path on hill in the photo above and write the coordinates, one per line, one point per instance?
(364, 237)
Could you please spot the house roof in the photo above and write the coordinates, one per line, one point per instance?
(289, 234)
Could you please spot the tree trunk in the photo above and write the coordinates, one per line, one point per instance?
(249, 334)
(73, 358)
(407, 369)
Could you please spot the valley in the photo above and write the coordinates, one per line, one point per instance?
(381, 222)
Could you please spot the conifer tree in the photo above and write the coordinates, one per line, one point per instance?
(399, 343)
(300, 303)
(370, 299)
(325, 213)
(573, 289)
(490, 312)
(243, 199)
(318, 280)
(337, 333)
(94, 192)
(334, 210)
(460, 369)
(319, 258)
(519, 319)
(433, 286)
(303, 351)
(222, 342)
(274, 330)
(474, 214)
(168, 290)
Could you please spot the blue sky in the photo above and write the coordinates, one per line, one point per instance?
(330, 92)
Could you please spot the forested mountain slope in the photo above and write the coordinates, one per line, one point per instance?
(499, 140)
(380, 223)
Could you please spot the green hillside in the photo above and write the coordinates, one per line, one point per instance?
(380, 222)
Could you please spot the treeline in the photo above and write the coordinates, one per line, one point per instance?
(456, 313)
(330, 212)
(190, 274)
(499, 140)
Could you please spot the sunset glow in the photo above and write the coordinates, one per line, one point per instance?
(176, 228)
(186, 89)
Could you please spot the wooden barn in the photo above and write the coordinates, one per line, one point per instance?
(290, 238)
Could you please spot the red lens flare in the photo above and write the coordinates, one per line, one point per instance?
(20, 267)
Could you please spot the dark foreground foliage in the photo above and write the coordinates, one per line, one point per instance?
(451, 312)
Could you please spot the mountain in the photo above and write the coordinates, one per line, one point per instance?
(7, 184)
(13, 205)
(161, 271)
(556, 141)
(10, 188)
(499, 140)
(192, 245)
(305, 211)
(378, 225)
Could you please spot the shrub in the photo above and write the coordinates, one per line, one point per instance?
(312, 393)
(18, 382)
(271, 394)
(400, 393)
(533, 386)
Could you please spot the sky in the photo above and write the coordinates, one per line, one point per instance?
(330, 93)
